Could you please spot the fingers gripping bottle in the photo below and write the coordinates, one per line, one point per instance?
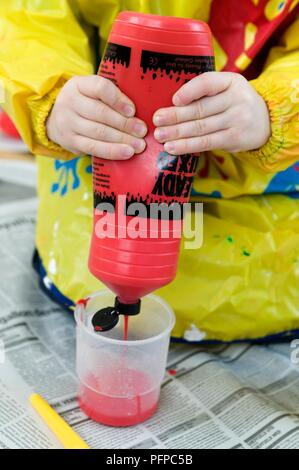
(149, 58)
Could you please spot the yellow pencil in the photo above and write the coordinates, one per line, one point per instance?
(64, 433)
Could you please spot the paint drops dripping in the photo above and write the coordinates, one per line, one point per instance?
(172, 371)
(126, 327)
(154, 76)
(229, 239)
(245, 253)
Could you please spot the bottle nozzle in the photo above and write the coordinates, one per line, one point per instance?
(108, 317)
(127, 308)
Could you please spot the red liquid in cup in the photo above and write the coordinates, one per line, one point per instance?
(119, 411)
(149, 57)
(111, 410)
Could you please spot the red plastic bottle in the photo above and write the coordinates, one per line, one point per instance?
(149, 58)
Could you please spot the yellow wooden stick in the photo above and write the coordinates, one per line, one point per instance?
(64, 433)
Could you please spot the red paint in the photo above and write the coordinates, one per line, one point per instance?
(126, 327)
(119, 411)
(172, 371)
(83, 302)
(148, 62)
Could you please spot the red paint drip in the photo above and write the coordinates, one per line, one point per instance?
(83, 302)
(126, 327)
(117, 410)
(172, 371)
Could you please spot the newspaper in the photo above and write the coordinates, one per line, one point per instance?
(20, 426)
(224, 396)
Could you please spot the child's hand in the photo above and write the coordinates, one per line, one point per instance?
(91, 115)
(216, 110)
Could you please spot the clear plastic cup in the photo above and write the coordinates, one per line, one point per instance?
(119, 381)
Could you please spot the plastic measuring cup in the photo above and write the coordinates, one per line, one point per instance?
(119, 381)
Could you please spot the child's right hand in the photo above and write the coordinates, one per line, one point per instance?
(92, 116)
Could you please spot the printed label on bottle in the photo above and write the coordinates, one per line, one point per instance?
(176, 64)
(115, 54)
(153, 178)
(170, 186)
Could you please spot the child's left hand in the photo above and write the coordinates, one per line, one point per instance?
(216, 110)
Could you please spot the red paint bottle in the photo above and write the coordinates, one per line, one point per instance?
(149, 58)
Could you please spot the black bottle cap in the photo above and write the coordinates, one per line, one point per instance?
(105, 319)
(127, 309)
